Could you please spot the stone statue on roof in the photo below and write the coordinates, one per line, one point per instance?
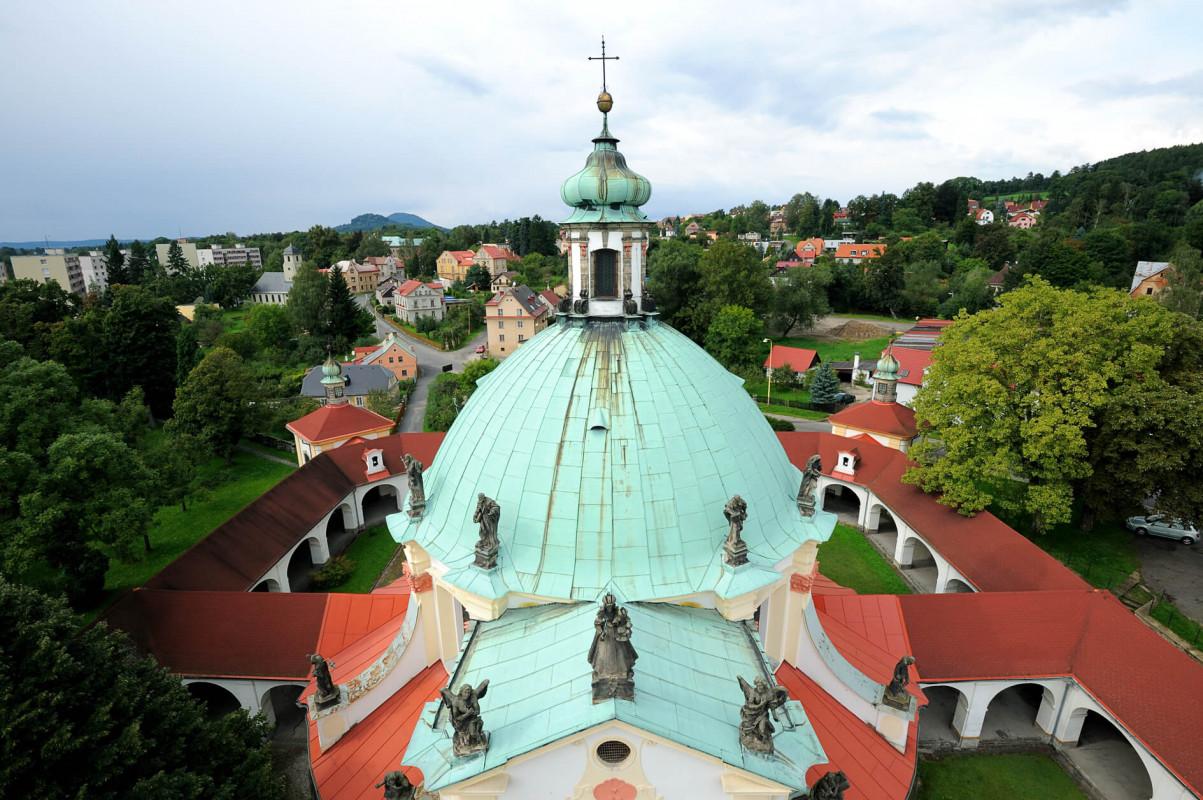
(760, 700)
(327, 691)
(565, 305)
(417, 489)
(629, 306)
(581, 306)
(647, 301)
(487, 515)
(810, 482)
(896, 694)
(396, 786)
(830, 787)
(464, 709)
(611, 655)
(735, 551)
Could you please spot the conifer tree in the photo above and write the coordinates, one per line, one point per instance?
(342, 314)
(824, 385)
(138, 267)
(307, 300)
(176, 263)
(115, 262)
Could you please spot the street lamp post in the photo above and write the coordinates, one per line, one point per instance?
(769, 397)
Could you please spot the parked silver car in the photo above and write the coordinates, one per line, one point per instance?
(1169, 528)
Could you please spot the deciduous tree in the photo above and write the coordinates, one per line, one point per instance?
(214, 403)
(734, 337)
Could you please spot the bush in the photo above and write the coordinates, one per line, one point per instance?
(779, 424)
(425, 325)
(333, 573)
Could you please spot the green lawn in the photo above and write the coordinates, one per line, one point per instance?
(995, 776)
(839, 351)
(850, 560)
(174, 531)
(787, 411)
(759, 387)
(234, 319)
(868, 317)
(371, 551)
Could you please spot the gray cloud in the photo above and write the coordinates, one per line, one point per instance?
(1123, 87)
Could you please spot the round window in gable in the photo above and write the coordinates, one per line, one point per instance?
(613, 751)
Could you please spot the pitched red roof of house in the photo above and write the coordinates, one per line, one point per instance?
(875, 770)
(911, 363)
(799, 359)
(336, 420)
(495, 252)
(893, 419)
(992, 556)
(352, 766)
(809, 248)
(1146, 682)
(240, 551)
(551, 297)
(407, 288)
(859, 250)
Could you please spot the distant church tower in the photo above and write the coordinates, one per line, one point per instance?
(606, 233)
(292, 263)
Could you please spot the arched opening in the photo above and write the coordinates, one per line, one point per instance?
(218, 700)
(843, 502)
(957, 586)
(1011, 714)
(936, 718)
(280, 708)
(378, 503)
(267, 585)
(921, 567)
(881, 528)
(605, 274)
(300, 564)
(1108, 760)
(340, 529)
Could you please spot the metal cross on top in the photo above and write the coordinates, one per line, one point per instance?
(603, 58)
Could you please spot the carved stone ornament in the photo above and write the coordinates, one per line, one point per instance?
(648, 302)
(327, 692)
(629, 306)
(487, 515)
(896, 694)
(463, 708)
(735, 551)
(581, 305)
(396, 786)
(755, 726)
(810, 481)
(417, 488)
(611, 655)
(830, 787)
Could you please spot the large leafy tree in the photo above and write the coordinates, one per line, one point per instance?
(1015, 397)
(91, 499)
(138, 268)
(30, 311)
(139, 346)
(674, 280)
(307, 300)
(799, 299)
(1185, 290)
(89, 717)
(213, 405)
(229, 285)
(732, 274)
(734, 338)
(271, 327)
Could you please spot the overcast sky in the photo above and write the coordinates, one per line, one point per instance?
(152, 118)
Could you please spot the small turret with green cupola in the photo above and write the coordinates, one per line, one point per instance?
(885, 378)
(607, 233)
(333, 382)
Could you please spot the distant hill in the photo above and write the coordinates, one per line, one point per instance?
(57, 243)
(373, 222)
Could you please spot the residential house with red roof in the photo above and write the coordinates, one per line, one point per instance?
(337, 421)
(453, 265)
(858, 252)
(414, 299)
(360, 278)
(1150, 278)
(393, 354)
(513, 315)
(797, 360)
(983, 216)
(1023, 220)
(496, 258)
(809, 250)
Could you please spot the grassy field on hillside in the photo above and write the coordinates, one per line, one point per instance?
(839, 351)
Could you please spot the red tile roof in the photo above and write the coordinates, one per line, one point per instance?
(799, 359)
(495, 252)
(875, 770)
(224, 634)
(551, 298)
(352, 766)
(859, 250)
(868, 630)
(337, 420)
(809, 248)
(892, 419)
(911, 362)
(983, 548)
(407, 288)
(1147, 683)
(241, 550)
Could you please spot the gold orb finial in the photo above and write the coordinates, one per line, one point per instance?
(605, 102)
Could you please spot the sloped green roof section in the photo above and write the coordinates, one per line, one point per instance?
(540, 691)
(612, 451)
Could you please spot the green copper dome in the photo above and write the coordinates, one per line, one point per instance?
(331, 371)
(606, 189)
(887, 367)
(611, 451)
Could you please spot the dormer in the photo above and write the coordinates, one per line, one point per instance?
(846, 461)
(374, 462)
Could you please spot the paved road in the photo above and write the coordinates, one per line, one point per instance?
(819, 425)
(431, 361)
(1175, 569)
